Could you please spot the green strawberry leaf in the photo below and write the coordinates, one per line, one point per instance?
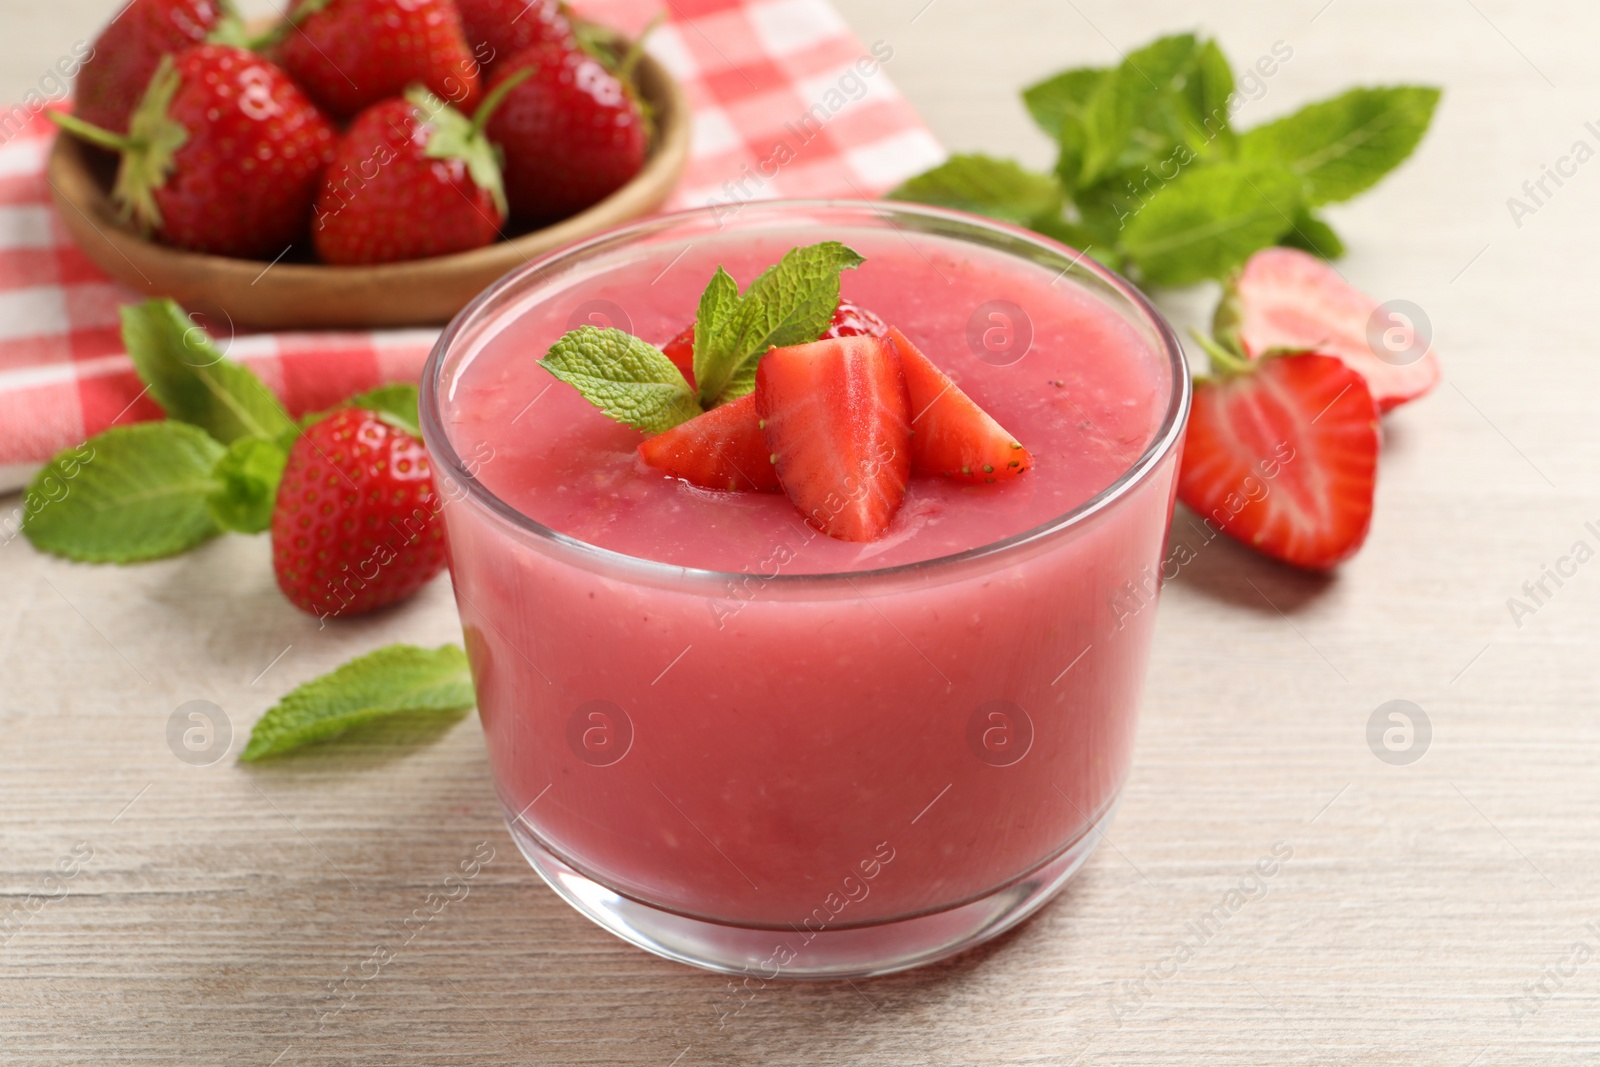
(1209, 220)
(1345, 145)
(395, 402)
(398, 680)
(194, 382)
(131, 493)
(628, 379)
(790, 303)
(1312, 234)
(984, 185)
(247, 490)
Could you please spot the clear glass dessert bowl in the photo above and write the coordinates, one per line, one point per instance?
(737, 743)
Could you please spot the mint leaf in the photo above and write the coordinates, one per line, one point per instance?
(130, 493)
(790, 303)
(984, 185)
(628, 379)
(1311, 234)
(1132, 119)
(194, 382)
(393, 681)
(1208, 88)
(1343, 146)
(713, 354)
(247, 475)
(1062, 96)
(1209, 221)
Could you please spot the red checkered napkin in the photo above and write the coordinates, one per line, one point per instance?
(786, 101)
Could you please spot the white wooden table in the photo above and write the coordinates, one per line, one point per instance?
(1443, 912)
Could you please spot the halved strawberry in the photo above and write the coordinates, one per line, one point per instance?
(835, 415)
(722, 449)
(1282, 454)
(950, 434)
(1285, 299)
(681, 351)
(849, 320)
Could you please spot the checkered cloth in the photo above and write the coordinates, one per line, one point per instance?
(786, 102)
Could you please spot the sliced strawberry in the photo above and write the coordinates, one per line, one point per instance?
(835, 415)
(849, 320)
(722, 449)
(950, 434)
(852, 320)
(681, 351)
(1282, 454)
(1286, 299)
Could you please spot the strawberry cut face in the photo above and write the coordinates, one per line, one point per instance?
(722, 449)
(1288, 300)
(1283, 457)
(836, 418)
(951, 435)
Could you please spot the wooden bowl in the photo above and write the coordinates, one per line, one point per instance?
(293, 295)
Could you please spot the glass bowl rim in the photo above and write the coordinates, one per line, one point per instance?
(1163, 441)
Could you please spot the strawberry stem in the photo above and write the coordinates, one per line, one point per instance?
(486, 110)
(630, 58)
(93, 134)
(1222, 360)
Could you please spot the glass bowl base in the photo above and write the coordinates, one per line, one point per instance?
(852, 952)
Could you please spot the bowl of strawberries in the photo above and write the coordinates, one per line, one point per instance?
(357, 163)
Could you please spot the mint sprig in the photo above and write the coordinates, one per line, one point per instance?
(192, 381)
(156, 489)
(1149, 144)
(628, 379)
(1343, 146)
(633, 382)
(141, 494)
(395, 681)
(247, 478)
(789, 303)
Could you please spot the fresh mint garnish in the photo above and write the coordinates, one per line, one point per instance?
(141, 494)
(247, 479)
(1207, 223)
(398, 680)
(628, 379)
(1343, 146)
(195, 383)
(156, 489)
(1150, 144)
(984, 185)
(790, 303)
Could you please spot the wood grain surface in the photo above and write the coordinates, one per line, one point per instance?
(1445, 912)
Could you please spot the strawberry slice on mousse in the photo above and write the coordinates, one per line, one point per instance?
(950, 434)
(836, 418)
(722, 449)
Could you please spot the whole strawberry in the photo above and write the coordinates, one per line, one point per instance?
(411, 178)
(223, 154)
(572, 133)
(350, 54)
(499, 29)
(356, 525)
(127, 52)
